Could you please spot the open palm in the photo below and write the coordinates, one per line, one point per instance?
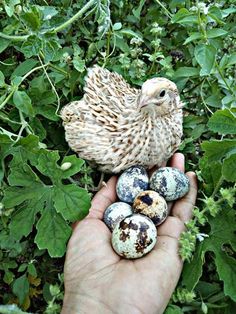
(97, 280)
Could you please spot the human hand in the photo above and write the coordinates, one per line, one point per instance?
(98, 281)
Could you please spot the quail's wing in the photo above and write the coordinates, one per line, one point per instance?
(109, 91)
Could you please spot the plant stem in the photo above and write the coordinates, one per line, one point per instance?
(74, 17)
(14, 37)
(217, 186)
(58, 69)
(167, 12)
(34, 69)
(222, 77)
(8, 97)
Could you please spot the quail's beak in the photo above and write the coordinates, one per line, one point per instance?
(143, 101)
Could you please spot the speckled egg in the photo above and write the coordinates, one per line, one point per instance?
(115, 213)
(134, 236)
(152, 205)
(170, 183)
(131, 182)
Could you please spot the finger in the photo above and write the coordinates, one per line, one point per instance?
(102, 199)
(177, 161)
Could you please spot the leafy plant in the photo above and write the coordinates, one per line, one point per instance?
(45, 49)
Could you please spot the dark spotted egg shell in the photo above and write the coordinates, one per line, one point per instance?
(134, 236)
(170, 183)
(115, 213)
(152, 205)
(131, 182)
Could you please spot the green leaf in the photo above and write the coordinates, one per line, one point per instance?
(32, 18)
(215, 150)
(79, 64)
(223, 122)
(211, 173)
(76, 164)
(190, 277)
(216, 32)
(23, 220)
(183, 16)
(2, 80)
(229, 168)
(4, 43)
(186, 72)
(23, 102)
(226, 268)
(11, 309)
(137, 12)
(173, 309)
(193, 37)
(52, 226)
(231, 59)
(21, 288)
(32, 270)
(222, 233)
(24, 67)
(205, 56)
(72, 202)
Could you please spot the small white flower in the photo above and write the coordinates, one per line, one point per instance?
(201, 236)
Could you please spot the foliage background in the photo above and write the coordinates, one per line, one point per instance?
(45, 48)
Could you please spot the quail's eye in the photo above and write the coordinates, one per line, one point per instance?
(162, 93)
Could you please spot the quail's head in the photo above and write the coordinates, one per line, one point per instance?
(159, 95)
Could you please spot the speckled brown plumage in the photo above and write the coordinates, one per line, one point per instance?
(117, 126)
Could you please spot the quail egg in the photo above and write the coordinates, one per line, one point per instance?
(131, 182)
(115, 213)
(152, 205)
(134, 236)
(170, 183)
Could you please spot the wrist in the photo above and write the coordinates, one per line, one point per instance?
(74, 304)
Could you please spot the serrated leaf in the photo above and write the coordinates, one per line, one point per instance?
(21, 288)
(223, 122)
(52, 233)
(205, 56)
(190, 278)
(215, 150)
(16, 195)
(47, 164)
(23, 102)
(222, 232)
(229, 168)
(76, 164)
(72, 202)
(23, 220)
(226, 268)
